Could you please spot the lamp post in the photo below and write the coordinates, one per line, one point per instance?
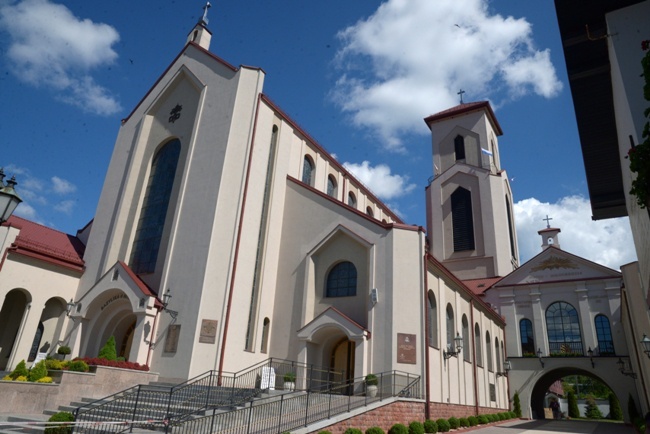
(9, 200)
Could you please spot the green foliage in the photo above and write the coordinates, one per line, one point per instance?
(454, 423)
(22, 378)
(443, 425)
(108, 351)
(430, 426)
(416, 428)
(639, 424)
(62, 416)
(517, 405)
(592, 411)
(573, 405)
(353, 431)
(20, 371)
(371, 380)
(473, 420)
(290, 377)
(78, 366)
(46, 380)
(584, 386)
(502, 416)
(55, 365)
(64, 350)
(374, 430)
(631, 408)
(38, 371)
(398, 428)
(615, 411)
(463, 422)
(512, 414)
(482, 419)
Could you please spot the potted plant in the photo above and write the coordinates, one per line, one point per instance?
(289, 381)
(371, 385)
(63, 352)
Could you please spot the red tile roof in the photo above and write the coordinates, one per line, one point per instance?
(465, 108)
(49, 245)
(479, 286)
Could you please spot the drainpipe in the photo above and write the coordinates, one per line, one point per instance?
(427, 396)
(474, 372)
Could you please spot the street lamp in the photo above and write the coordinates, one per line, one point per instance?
(458, 345)
(539, 356)
(166, 297)
(9, 200)
(591, 357)
(621, 367)
(506, 368)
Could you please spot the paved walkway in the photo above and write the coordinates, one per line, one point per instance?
(557, 426)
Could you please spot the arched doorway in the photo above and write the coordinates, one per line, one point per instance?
(12, 315)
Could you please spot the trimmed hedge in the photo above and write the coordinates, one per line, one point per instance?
(416, 428)
(62, 416)
(443, 425)
(398, 428)
(374, 430)
(94, 361)
(453, 423)
(473, 420)
(353, 431)
(463, 422)
(430, 426)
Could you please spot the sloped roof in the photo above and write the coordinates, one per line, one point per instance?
(479, 286)
(47, 244)
(466, 108)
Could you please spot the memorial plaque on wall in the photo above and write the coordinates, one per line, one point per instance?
(208, 331)
(406, 349)
(171, 342)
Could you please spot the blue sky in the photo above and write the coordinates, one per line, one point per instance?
(359, 76)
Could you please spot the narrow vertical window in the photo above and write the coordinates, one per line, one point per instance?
(462, 220)
(497, 355)
(604, 335)
(352, 200)
(526, 336)
(308, 170)
(154, 208)
(433, 320)
(369, 212)
(459, 147)
(510, 231)
(488, 351)
(477, 342)
(265, 335)
(331, 186)
(451, 330)
(467, 353)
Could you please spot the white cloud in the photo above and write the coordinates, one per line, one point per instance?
(61, 186)
(410, 58)
(65, 206)
(51, 47)
(606, 242)
(379, 180)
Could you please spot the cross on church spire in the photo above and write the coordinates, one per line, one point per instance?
(548, 219)
(461, 92)
(205, 12)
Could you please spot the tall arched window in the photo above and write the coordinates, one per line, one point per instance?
(563, 328)
(451, 330)
(369, 212)
(488, 351)
(342, 280)
(477, 342)
(467, 351)
(149, 233)
(433, 320)
(497, 355)
(352, 200)
(265, 335)
(510, 228)
(462, 220)
(604, 335)
(331, 186)
(308, 170)
(459, 147)
(526, 335)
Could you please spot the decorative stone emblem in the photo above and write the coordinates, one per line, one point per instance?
(555, 262)
(175, 114)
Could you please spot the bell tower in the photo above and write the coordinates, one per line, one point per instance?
(470, 221)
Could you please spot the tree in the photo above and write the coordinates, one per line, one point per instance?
(592, 411)
(517, 405)
(615, 411)
(573, 405)
(108, 351)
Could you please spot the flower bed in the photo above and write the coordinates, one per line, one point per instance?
(96, 361)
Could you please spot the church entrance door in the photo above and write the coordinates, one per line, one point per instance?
(343, 361)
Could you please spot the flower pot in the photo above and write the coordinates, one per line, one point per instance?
(289, 386)
(371, 391)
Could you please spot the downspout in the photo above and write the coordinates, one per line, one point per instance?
(474, 372)
(239, 232)
(427, 397)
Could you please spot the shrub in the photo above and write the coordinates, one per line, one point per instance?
(491, 417)
(374, 430)
(78, 366)
(443, 425)
(592, 411)
(573, 404)
(62, 416)
(463, 422)
(398, 428)
(502, 416)
(353, 431)
(371, 380)
(21, 378)
(517, 404)
(482, 419)
(94, 361)
(108, 351)
(64, 350)
(20, 371)
(38, 371)
(121, 359)
(511, 415)
(473, 420)
(453, 423)
(416, 428)
(46, 380)
(7, 378)
(615, 411)
(289, 377)
(430, 426)
(639, 424)
(55, 365)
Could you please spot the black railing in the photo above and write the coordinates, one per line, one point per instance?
(566, 348)
(148, 406)
(288, 412)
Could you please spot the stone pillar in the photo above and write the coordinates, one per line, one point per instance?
(586, 323)
(539, 321)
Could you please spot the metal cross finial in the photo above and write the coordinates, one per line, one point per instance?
(548, 219)
(205, 12)
(461, 92)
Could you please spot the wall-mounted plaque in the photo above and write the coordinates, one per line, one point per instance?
(171, 342)
(406, 349)
(208, 331)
